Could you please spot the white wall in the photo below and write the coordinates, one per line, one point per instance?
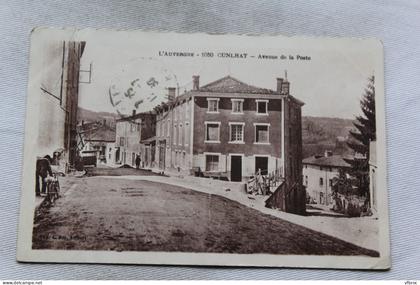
(248, 163)
(314, 173)
(51, 131)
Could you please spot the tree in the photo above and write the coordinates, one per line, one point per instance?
(342, 184)
(365, 125)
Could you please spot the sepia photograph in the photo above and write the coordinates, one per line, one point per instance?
(226, 150)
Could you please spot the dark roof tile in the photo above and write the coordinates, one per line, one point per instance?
(333, 160)
(230, 84)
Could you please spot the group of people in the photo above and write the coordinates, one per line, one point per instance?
(43, 170)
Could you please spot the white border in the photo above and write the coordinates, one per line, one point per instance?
(27, 254)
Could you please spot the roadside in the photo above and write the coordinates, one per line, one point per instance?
(361, 231)
(110, 213)
(119, 171)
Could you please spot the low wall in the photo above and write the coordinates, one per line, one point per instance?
(214, 183)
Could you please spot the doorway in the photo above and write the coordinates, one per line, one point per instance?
(261, 162)
(236, 168)
(162, 152)
(117, 155)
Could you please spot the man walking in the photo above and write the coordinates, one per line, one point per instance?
(138, 160)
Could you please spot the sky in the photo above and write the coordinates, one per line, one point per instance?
(330, 84)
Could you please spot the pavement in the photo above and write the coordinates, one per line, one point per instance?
(361, 231)
(152, 213)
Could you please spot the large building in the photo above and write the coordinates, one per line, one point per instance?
(318, 174)
(230, 129)
(130, 131)
(59, 100)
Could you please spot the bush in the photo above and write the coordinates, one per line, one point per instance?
(354, 210)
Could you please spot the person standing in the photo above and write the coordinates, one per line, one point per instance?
(43, 169)
(138, 160)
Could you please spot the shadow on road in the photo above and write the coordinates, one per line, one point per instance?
(121, 171)
(311, 210)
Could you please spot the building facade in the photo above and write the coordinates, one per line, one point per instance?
(97, 137)
(318, 174)
(174, 121)
(59, 100)
(130, 131)
(230, 128)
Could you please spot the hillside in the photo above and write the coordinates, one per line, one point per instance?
(92, 116)
(320, 134)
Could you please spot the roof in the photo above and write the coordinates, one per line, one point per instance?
(331, 161)
(148, 140)
(100, 134)
(230, 84)
(136, 116)
(232, 87)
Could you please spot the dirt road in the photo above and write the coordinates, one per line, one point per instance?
(97, 213)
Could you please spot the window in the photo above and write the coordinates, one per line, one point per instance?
(187, 133)
(237, 106)
(122, 141)
(181, 135)
(236, 132)
(321, 181)
(158, 128)
(262, 107)
(187, 110)
(175, 134)
(168, 128)
(212, 162)
(306, 180)
(213, 105)
(331, 182)
(262, 133)
(212, 132)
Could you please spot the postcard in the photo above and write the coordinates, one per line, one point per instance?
(197, 149)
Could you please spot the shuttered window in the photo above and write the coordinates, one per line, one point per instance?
(212, 162)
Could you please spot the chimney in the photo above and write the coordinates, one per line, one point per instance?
(196, 82)
(171, 94)
(134, 112)
(328, 153)
(279, 84)
(285, 87)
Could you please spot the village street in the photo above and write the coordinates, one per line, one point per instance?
(114, 213)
